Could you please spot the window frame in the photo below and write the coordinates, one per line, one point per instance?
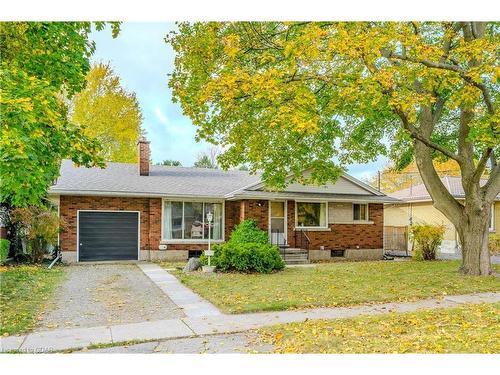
(297, 227)
(367, 215)
(164, 240)
(491, 227)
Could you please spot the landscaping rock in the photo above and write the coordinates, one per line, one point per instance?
(192, 265)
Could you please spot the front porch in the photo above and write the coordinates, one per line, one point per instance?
(314, 230)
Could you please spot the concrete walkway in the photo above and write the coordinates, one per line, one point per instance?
(191, 326)
(191, 303)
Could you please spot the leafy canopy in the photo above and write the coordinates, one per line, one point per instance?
(43, 64)
(109, 113)
(289, 96)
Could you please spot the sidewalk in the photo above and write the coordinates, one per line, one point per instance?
(191, 326)
(191, 303)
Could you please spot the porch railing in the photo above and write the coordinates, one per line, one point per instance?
(278, 239)
(302, 240)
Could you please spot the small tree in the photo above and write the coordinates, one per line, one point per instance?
(427, 239)
(37, 228)
(171, 163)
(207, 159)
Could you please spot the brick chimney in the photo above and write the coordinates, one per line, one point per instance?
(143, 146)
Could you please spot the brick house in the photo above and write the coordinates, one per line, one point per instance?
(147, 212)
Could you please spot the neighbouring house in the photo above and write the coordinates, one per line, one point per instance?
(149, 212)
(414, 205)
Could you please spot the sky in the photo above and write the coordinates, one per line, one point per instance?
(143, 61)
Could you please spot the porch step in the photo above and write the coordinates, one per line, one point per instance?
(295, 256)
(295, 250)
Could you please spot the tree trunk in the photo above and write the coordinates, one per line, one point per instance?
(471, 221)
(473, 233)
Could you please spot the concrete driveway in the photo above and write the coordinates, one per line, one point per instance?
(106, 294)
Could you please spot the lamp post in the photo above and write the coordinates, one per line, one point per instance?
(209, 252)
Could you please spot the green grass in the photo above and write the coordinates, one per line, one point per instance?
(173, 264)
(338, 284)
(466, 329)
(24, 291)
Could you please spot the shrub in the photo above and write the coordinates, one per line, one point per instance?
(246, 257)
(4, 249)
(427, 239)
(248, 232)
(248, 250)
(494, 243)
(37, 227)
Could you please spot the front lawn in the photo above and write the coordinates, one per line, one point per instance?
(466, 329)
(24, 291)
(347, 283)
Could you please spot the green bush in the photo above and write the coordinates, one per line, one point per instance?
(248, 250)
(427, 239)
(248, 232)
(4, 249)
(37, 227)
(494, 243)
(246, 257)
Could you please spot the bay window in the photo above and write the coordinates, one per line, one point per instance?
(188, 220)
(311, 214)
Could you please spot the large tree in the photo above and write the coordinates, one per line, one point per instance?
(108, 113)
(42, 65)
(288, 96)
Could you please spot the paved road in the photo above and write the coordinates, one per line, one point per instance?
(106, 294)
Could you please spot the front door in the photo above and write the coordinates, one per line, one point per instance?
(277, 225)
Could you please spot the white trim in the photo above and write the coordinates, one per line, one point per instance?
(355, 181)
(92, 193)
(78, 230)
(491, 227)
(188, 240)
(355, 222)
(367, 216)
(361, 184)
(285, 217)
(305, 197)
(297, 227)
(313, 229)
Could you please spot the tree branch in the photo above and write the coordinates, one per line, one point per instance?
(428, 63)
(416, 134)
(492, 187)
(481, 165)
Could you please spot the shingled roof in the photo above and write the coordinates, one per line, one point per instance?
(123, 179)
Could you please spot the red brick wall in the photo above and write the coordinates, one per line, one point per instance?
(258, 210)
(344, 236)
(366, 236)
(149, 208)
(231, 217)
(143, 151)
